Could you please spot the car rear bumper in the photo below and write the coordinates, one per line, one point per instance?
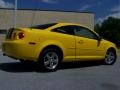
(16, 50)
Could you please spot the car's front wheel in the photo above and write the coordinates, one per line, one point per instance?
(110, 57)
(50, 59)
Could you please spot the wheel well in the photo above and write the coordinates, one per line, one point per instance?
(112, 49)
(55, 47)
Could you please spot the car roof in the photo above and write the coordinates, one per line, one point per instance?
(78, 24)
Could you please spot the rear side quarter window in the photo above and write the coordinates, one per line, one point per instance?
(65, 30)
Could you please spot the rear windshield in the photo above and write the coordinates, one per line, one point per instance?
(44, 26)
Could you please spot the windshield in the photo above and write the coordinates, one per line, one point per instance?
(44, 26)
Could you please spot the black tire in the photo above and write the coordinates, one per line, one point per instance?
(49, 59)
(110, 57)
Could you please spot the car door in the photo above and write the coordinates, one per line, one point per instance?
(87, 44)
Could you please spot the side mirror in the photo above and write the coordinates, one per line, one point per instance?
(99, 38)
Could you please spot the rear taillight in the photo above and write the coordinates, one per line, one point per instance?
(21, 35)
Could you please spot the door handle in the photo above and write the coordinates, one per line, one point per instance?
(81, 42)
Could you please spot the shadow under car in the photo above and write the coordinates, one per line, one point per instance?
(17, 67)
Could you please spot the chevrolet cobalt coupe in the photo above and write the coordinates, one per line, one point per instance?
(51, 44)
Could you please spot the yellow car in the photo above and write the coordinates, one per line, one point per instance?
(51, 44)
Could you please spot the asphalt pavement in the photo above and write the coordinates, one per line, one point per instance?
(71, 76)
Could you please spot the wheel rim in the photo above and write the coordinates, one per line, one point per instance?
(110, 58)
(51, 60)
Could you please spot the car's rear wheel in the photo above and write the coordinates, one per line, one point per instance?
(50, 59)
(110, 57)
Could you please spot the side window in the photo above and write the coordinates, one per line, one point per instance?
(65, 30)
(84, 32)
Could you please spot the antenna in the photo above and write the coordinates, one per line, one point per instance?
(15, 13)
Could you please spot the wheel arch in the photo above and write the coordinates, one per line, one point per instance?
(55, 47)
(112, 49)
(48, 44)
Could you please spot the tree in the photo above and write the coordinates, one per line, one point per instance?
(110, 29)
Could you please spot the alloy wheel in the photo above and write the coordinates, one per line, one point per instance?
(110, 58)
(51, 60)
